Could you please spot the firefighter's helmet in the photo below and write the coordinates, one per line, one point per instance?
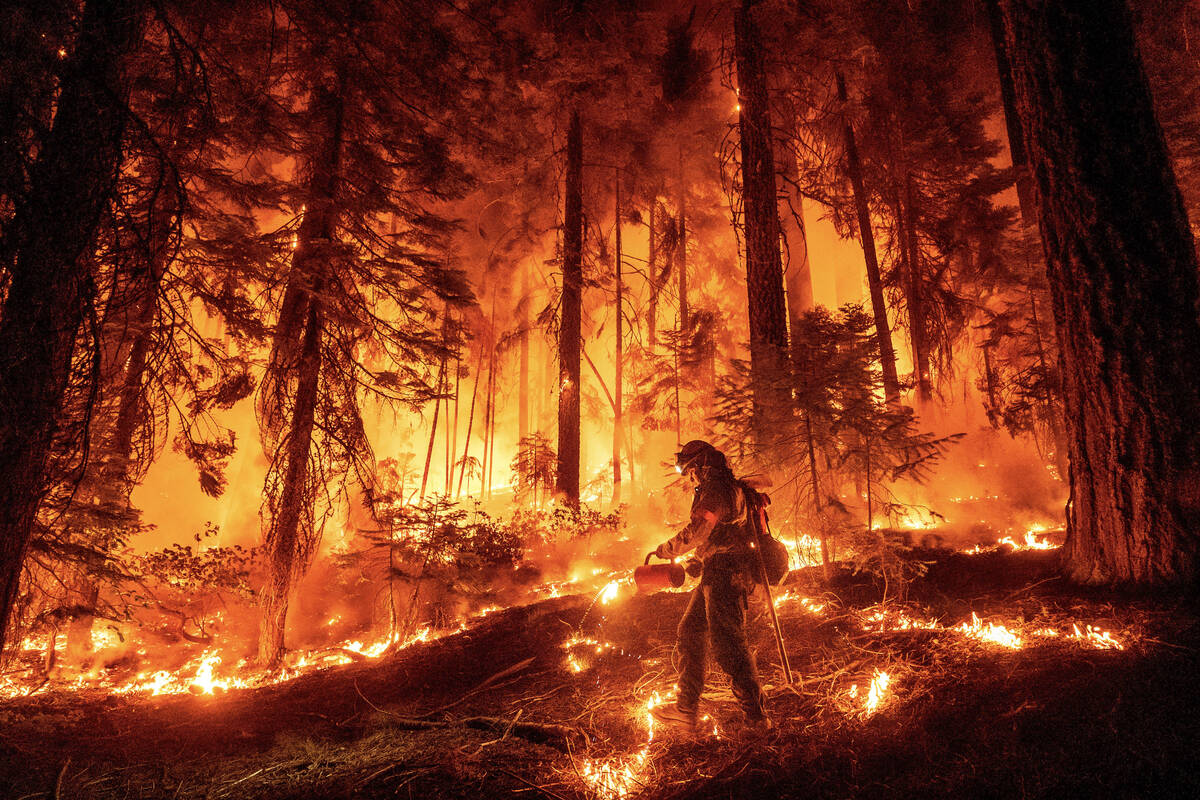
(698, 453)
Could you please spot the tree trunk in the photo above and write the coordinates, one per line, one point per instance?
(914, 290)
(797, 273)
(681, 250)
(652, 277)
(618, 379)
(1012, 124)
(53, 232)
(567, 477)
(462, 467)
(292, 391)
(523, 374)
(883, 332)
(285, 542)
(764, 272)
(1125, 290)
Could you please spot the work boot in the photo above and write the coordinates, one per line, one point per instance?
(757, 724)
(673, 717)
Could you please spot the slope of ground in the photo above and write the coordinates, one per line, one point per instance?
(548, 700)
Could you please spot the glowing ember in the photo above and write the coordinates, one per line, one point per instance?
(990, 632)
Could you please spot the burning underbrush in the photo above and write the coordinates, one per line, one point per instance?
(952, 692)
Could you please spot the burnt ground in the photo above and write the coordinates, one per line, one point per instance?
(961, 718)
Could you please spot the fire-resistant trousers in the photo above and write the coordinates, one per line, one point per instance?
(717, 612)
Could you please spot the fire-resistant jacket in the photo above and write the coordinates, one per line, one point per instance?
(718, 521)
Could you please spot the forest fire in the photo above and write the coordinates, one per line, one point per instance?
(401, 397)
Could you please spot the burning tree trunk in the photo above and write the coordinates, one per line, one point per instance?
(764, 272)
(1125, 289)
(567, 477)
(652, 279)
(883, 332)
(292, 385)
(71, 184)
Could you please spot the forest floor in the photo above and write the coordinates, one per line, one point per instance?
(511, 707)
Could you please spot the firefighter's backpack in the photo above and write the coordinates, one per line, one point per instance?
(774, 554)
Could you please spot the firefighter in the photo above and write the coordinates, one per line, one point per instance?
(721, 535)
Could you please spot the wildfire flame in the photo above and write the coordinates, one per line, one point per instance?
(876, 692)
(990, 632)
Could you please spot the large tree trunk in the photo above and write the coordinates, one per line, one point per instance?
(883, 331)
(53, 233)
(292, 388)
(764, 272)
(1124, 286)
(567, 477)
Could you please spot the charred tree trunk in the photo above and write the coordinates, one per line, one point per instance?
(883, 332)
(764, 272)
(652, 277)
(292, 388)
(567, 477)
(1125, 289)
(71, 183)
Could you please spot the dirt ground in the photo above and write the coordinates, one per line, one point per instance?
(500, 709)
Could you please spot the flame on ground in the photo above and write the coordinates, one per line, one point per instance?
(990, 632)
(616, 778)
(877, 692)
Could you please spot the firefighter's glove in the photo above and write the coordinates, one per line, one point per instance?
(663, 552)
(693, 567)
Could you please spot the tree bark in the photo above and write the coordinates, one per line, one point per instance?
(71, 183)
(1125, 290)
(883, 332)
(764, 271)
(652, 278)
(567, 474)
